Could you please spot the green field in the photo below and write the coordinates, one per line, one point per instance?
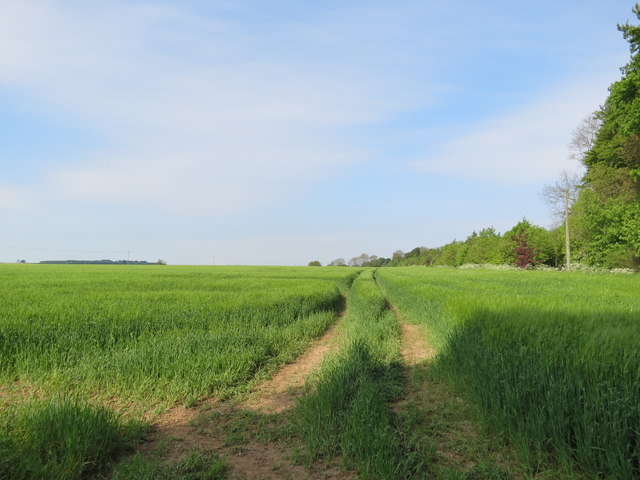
(551, 360)
(162, 334)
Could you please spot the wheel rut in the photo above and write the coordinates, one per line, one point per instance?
(205, 428)
(281, 391)
(414, 348)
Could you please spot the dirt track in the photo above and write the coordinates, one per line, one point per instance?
(205, 428)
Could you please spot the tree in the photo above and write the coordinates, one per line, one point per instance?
(609, 203)
(314, 263)
(397, 257)
(537, 238)
(584, 137)
(338, 262)
(484, 247)
(560, 198)
(451, 254)
(359, 261)
(525, 254)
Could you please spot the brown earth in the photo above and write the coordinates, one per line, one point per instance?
(247, 457)
(414, 347)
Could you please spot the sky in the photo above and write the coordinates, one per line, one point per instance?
(279, 132)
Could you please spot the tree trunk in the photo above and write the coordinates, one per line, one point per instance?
(566, 228)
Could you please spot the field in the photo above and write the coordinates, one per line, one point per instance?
(535, 374)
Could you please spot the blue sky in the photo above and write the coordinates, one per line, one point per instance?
(279, 132)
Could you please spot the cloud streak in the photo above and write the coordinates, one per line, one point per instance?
(13, 199)
(205, 117)
(526, 146)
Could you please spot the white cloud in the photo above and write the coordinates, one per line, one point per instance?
(529, 145)
(13, 199)
(205, 116)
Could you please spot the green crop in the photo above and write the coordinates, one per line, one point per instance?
(553, 358)
(159, 334)
(61, 438)
(349, 413)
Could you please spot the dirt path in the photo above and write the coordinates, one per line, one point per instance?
(280, 392)
(414, 347)
(247, 457)
(208, 427)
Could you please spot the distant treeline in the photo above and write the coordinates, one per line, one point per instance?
(524, 245)
(103, 262)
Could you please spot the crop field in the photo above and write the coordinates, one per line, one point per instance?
(150, 337)
(553, 359)
(542, 366)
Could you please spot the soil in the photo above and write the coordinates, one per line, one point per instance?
(250, 459)
(415, 348)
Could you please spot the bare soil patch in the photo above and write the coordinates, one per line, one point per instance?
(414, 347)
(251, 443)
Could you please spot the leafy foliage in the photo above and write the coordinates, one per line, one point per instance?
(609, 207)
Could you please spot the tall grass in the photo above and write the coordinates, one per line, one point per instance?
(349, 411)
(553, 359)
(151, 336)
(160, 334)
(61, 439)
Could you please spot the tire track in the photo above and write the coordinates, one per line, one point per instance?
(281, 391)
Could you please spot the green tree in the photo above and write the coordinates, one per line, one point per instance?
(608, 208)
(485, 247)
(451, 254)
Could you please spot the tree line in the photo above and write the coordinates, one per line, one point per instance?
(102, 262)
(598, 213)
(524, 245)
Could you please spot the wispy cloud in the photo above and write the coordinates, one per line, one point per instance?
(525, 146)
(204, 117)
(13, 199)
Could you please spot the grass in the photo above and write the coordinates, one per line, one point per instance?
(62, 438)
(140, 338)
(159, 334)
(196, 465)
(551, 358)
(349, 411)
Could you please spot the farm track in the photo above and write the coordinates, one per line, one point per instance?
(206, 428)
(247, 457)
